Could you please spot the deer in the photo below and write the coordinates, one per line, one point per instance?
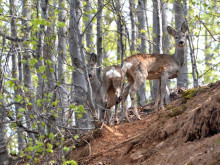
(107, 90)
(139, 67)
(112, 82)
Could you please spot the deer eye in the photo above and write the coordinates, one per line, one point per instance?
(176, 37)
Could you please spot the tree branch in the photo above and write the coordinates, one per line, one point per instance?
(207, 29)
(16, 39)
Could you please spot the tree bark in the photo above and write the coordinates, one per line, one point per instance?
(62, 60)
(165, 42)
(157, 39)
(141, 97)
(179, 10)
(89, 25)
(133, 38)
(79, 91)
(99, 38)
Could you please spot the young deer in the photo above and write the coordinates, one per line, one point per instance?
(140, 67)
(111, 83)
(107, 91)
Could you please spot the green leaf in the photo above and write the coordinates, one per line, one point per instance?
(21, 110)
(66, 149)
(76, 136)
(33, 61)
(10, 114)
(41, 69)
(51, 136)
(49, 150)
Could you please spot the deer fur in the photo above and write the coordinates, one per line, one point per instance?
(111, 83)
(162, 67)
(107, 91)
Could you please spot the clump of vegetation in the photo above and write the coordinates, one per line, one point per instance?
(186, 95)
(168, 107)
(177, 111)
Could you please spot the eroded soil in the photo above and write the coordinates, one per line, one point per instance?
(187, 132)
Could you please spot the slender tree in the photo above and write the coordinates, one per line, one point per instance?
(79, 80)
(62, 61)
(157, 38)
(141, 97)
(179, 10)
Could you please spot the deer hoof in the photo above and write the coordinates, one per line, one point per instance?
(139, 118)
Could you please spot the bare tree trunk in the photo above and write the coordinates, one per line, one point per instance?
(79, 80)
(165, 42)
(141, 97)
(39, 50)
(26, 56)
(132, 8)
(62, 60)
(179, 7)
(4, 158)
(99, 38)
(89, 25)
(157, 31)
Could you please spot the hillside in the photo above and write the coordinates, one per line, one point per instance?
(187, 132)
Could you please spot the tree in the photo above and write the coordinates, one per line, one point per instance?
(79, 80)
(62, 62)
(179, 10)
(141, 97)
(157, 39)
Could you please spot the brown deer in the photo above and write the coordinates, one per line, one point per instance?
(107, 91)
(140, 67)
(111, 83)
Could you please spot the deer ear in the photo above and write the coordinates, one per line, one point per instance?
(93, 58)
(171, 31)
(184, 27)
(78, 63)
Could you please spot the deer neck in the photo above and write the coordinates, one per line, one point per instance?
(180, 56)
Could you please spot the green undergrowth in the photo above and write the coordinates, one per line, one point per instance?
(188, 94)
(177, 111)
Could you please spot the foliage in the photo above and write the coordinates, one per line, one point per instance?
(37, 99)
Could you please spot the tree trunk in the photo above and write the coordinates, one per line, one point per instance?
(157, 39)
(165, 43)
(132, 10)
(80, 89)
(62, 60)
(39, 54)
(141, 97)
(26, 56)
(179, 10)
(88, 25)
(4, 158)
(99, 38)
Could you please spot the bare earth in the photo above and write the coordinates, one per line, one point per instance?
(191, 137)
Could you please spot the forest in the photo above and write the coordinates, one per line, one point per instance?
(56, 57)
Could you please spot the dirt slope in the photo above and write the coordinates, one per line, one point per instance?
(187, 132)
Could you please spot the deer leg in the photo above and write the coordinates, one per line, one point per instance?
(124, 97)
(116, 112)
(158, 94)
(164, 79)
(133, 90)
(110, 115)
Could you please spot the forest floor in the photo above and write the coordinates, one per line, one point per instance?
(187, 132)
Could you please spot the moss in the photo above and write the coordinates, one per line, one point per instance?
(177, 111)
(186, 95)
(190, 163)
(168, 106)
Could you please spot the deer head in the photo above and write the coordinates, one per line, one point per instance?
(179, 35)
(91, 65)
